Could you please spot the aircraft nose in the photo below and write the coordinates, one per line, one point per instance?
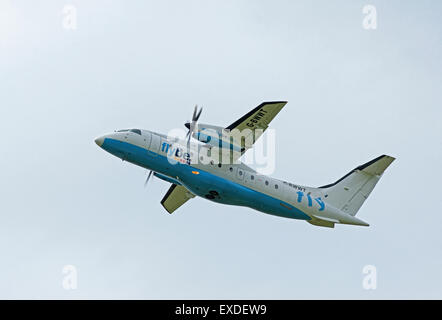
(99, 141)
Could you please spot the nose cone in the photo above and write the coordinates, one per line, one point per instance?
(99, 141)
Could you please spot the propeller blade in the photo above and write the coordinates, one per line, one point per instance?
(193, 125)
(148, 178)
(199, 113)
(194, 112)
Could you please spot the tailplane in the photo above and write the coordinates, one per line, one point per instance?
(349, 193)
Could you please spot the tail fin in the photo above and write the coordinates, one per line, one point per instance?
(349, 193)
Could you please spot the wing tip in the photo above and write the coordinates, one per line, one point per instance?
(233, 125)
(272, 102)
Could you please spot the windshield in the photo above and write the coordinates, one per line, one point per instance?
(137, 131)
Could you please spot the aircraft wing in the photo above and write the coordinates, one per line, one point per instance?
(257, 121)
(175, 197)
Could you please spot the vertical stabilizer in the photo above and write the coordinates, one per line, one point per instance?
(349, 193)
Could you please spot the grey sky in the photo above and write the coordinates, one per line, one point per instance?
(353, 95)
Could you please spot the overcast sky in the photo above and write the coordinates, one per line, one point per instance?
(353, 94)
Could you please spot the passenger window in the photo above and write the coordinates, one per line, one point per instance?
(252, 177)
(267, 183)
(276, 186)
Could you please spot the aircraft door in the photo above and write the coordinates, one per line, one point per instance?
(147, 136)
(286, 189)
(247, 177)
(155, 144)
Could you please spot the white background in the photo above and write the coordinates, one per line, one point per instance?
(353, 95)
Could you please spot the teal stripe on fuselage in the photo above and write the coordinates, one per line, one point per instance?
(226, 191)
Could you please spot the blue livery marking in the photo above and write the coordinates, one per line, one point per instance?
(205, 184)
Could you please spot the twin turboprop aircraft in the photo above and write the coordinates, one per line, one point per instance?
(210, 168)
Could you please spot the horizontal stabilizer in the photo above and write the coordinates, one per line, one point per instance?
(322, 222)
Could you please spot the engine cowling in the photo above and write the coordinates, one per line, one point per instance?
(215, 136)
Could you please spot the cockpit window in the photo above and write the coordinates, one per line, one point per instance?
(137, 131)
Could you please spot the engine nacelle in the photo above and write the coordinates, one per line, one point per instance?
(215, 136)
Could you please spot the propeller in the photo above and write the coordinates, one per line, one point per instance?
(148, 178)
(192, 126)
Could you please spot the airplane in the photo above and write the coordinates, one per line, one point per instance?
(194, 169)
